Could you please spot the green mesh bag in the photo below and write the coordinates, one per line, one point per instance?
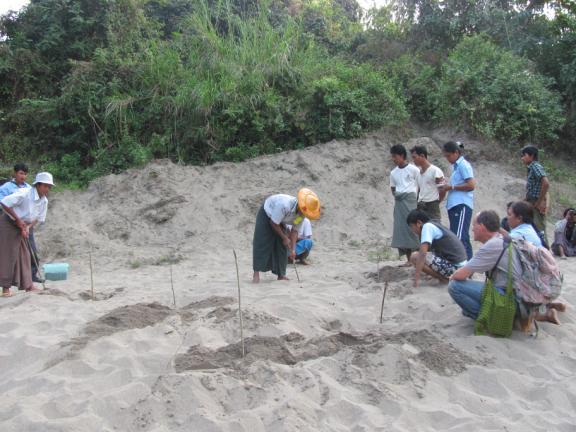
(497, 311)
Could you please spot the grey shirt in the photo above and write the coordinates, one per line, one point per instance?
(486, 257)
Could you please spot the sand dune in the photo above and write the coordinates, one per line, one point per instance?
(317, 359)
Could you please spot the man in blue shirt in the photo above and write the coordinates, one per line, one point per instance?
(18, 182)
(460, 194)
(8, 188)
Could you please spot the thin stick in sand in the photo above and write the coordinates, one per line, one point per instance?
(383, 298)
(378, 268)
(239, 305)
(172, 286)
(91, 274)
(296, 270)
(35, 260)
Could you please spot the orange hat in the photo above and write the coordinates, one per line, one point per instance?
(308, 203)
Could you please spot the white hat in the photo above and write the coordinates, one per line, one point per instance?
(44, 177)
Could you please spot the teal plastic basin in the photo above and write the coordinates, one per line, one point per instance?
(56, 271)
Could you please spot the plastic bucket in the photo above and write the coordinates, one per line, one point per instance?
(56, 271)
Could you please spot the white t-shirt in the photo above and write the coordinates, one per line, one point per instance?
(304, 230)
(427, 184)
(283, 209)
(405, 180)
(27, 205)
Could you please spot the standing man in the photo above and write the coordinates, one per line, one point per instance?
(22, 210)
(8, 188)
(430, 179)
(460, 191)
(537, 186)
(404, 186)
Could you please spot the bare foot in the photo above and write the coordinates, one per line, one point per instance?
(32, 290)
(6, 292)
(256, 277)
(406, 264)
(282, 278)
(560, 307)
(550, 316)
(304, 262)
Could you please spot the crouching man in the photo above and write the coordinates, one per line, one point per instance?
(441, 252)
(468, 293)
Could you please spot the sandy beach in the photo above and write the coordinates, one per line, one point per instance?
(317, 356)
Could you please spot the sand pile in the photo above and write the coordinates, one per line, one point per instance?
(318, 358)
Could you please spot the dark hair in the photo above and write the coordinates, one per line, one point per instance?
(523, 210)
(490, 219)
(417, 215)
(420, 151)
(21, 167)
(530, 150)
(398, 149)
(453, 147)
(509, 204)
(570, 209)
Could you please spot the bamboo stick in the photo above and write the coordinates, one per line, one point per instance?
(383, 297)
(239, 305)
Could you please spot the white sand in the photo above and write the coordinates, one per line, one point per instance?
(318, 358)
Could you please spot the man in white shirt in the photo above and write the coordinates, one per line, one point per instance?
(404, 186)
(272, 243)
(22, 211)
(429, 180)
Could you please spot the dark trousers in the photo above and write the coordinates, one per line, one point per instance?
(460, 217)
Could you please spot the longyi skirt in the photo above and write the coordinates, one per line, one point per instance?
(268, 251)
(14, 256)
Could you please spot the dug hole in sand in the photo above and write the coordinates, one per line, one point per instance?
(317, 358)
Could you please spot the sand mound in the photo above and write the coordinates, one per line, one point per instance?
(317, 356)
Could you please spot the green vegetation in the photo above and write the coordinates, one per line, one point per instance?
(89, 87)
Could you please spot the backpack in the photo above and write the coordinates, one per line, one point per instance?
(541, 280)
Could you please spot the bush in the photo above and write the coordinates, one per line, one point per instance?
(497, 94)
(351, 99)
(418, 81)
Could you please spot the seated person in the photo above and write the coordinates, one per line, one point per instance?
(520, 216)
(565, 235)
(304, 243)
(440, 253)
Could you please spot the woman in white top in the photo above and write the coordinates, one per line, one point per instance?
(22, 211)
(272, 241)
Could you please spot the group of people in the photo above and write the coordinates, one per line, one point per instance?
(283, 231)
(23, 207)
(446, 253)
